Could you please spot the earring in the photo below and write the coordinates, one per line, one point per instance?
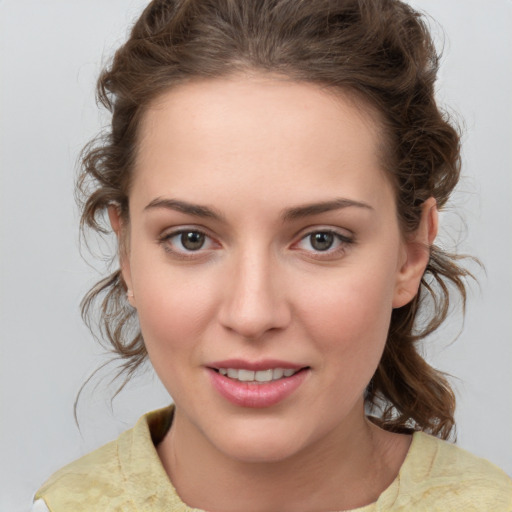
(129, 293)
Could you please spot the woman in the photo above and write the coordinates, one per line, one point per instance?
(273, 175)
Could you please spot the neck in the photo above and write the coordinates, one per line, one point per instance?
(346, 469)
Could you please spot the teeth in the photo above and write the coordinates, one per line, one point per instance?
(263, 375)
(257, 376)
(245, 375)
(277, 373)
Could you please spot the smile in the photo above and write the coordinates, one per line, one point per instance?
(259, 376)
(264, 385)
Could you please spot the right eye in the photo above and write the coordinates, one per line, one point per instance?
(185, 242)
(191, 240)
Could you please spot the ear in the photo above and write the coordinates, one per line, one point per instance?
(119, 229)
(416, 253)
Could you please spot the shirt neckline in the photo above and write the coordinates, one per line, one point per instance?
(142, 468)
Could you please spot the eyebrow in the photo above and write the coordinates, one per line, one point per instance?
(307, 210)
(289, 214)
(184, 207)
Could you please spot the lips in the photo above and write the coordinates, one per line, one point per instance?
(256, 384)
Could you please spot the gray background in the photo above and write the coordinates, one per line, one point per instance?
(50, 55)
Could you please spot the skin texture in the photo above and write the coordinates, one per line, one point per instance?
(252, 149)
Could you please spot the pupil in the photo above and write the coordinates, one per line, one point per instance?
(192, 240)
(322, 241)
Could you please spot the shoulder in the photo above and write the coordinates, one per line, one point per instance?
(86, 482)
(441, 476)
(116, 476)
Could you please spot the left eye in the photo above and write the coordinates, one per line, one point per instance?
(322, 241)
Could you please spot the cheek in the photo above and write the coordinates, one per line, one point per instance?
(349, 317)
(174, 312)
(173, 306)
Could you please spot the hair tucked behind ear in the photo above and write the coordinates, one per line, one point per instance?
(381, 52)
(405, 389)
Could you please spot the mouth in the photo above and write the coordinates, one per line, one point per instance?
(257, 376)
(257, 385)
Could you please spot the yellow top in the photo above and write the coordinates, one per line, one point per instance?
(126, 475)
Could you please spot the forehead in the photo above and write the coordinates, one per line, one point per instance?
(259, 129)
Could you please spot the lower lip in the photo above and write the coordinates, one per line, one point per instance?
(265, 394)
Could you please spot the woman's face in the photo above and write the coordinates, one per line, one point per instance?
(263, 241)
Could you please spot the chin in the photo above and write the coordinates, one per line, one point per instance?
(261, 443)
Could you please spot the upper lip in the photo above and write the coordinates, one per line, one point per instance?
(264, 364)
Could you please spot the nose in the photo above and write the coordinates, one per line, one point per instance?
(255, 297)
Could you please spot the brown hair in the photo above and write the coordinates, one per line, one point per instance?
(379, 49)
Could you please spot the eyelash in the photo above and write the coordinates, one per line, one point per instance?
(184, 254)
(342, 242)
